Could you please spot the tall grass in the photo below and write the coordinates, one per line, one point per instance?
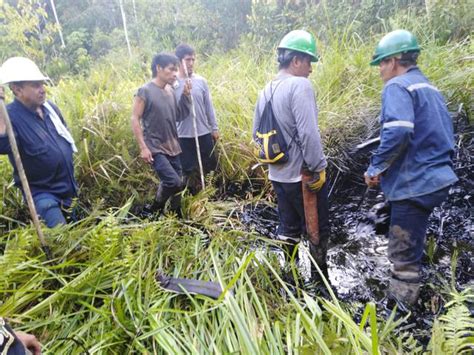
(100, 293)
(347, 89)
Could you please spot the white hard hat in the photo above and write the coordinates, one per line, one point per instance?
(20, 69)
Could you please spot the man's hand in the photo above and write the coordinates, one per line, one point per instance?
(2, 93)
(215, 135)
(146, 155)
(317, 182)
(30, 342)
(187, 87)
(372, 181)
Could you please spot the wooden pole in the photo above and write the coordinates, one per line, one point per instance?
(310, 204)
(196, 138)
(24, 182)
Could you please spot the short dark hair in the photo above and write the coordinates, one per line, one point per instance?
(18, 84)
(163, 59)
(14, 84)
(409, 58)
(285, 57)
(183, 50)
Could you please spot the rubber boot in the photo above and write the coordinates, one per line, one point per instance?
(191, 182)
(290, 253)
(175, 205)
(162, 195)
(291, 274)
(319, 253)
(403, 291)
(289, 247)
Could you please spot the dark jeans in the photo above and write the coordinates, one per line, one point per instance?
(51, 209)
(408, 224)
(291, 210)
(169, 171)
(189, 159)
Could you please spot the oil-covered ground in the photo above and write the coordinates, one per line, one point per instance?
(358, 265)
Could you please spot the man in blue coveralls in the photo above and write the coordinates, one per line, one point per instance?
(45, 144)
(413, 163)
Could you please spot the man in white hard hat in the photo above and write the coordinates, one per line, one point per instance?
(45, 144)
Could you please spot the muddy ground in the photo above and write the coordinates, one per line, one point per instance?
(358, 265)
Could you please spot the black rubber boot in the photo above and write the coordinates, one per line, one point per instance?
(192, 183)
(319, 253)
(175, 205)
(162, 195)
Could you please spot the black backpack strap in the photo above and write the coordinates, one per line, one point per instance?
(293, 136)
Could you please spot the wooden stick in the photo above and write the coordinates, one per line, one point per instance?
(24, 182)
(310, 204)
(196, 138)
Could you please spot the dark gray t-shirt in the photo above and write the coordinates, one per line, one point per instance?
(160, 115)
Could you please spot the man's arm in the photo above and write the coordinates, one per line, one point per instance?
(30, 342)
(3, 127)
(305, 111)
(4, 142)
(210, 113)
(184, 103)
(256, 116)
(397, 126)
(137, 113)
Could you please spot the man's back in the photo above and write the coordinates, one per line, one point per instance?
(295, 109)
(426, 165)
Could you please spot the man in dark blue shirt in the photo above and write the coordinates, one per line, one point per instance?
(413, 163)
(45, 144)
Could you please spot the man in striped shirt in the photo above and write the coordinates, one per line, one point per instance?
(413, 163)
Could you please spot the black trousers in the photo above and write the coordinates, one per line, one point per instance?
(189, 158)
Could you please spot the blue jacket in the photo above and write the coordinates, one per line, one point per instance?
(46, 156)
(417, 142)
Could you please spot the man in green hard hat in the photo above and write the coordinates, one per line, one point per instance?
(295, 110)
(413, 163)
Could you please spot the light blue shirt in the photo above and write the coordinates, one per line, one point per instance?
(295, 109)
(205, 116)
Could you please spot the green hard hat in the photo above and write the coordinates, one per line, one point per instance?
(300, 41)
(395, 42)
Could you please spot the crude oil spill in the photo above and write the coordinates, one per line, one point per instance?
(359, 269)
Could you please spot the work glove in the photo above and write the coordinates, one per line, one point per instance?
(317, 182)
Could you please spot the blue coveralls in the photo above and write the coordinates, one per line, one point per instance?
(415, 162)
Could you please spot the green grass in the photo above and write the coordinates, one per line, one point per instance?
(100, 293)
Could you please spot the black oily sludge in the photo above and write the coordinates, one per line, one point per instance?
(357, 259)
